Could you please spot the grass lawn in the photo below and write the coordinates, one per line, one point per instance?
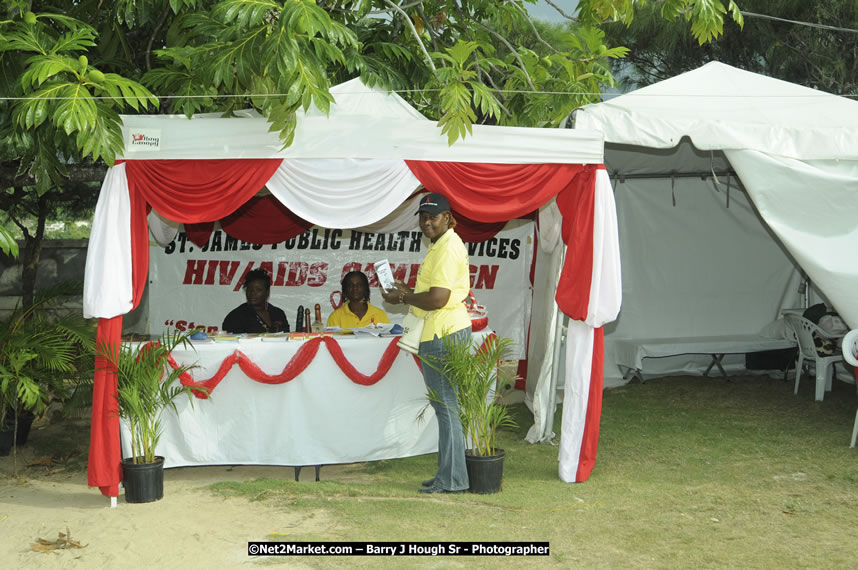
(691, 472)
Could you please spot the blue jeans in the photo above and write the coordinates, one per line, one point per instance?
(452, 474)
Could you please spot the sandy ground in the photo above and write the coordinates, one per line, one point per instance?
(190, 527)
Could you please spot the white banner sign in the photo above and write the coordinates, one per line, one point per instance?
(193, 287)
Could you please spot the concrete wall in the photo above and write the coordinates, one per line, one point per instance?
(61, 260)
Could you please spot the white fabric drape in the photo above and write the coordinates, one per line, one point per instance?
(550, 224)
(402, 219)
(812, 206)
(162, 230)
(342, 193)
(107, 289)
(576, 395)
(545, 332)
(544, 329)
(606, 288)
(604, 306)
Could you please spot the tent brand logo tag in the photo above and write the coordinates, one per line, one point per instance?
(143, 140)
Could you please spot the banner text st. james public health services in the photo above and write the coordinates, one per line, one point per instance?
(299, 273)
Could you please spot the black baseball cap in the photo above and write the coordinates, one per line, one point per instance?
(433, 203)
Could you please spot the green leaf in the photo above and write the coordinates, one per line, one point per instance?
(76, 110)
(461, 51)
(42, 68)
(8, 244)
(244, 13)
(104, 140)
(79, 39)
(484, 99)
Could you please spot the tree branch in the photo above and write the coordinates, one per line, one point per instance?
(428, 26)
(92, 173)
(533, 27)
(413, 31)
(561, 12)
(17, 193)
(512, 50)
(154, 33)
(413, 4)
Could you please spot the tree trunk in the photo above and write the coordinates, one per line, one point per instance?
(32, 254)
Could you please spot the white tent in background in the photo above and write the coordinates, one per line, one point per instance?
(704, 253)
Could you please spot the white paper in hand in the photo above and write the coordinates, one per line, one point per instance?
(384, 273)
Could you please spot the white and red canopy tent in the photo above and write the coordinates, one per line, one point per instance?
(352, 169)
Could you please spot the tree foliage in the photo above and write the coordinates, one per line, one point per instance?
(69, 67)
(818, 57)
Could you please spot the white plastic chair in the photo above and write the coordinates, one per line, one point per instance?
(804, 330)
(850, 354)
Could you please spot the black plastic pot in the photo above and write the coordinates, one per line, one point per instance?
(6, 438)
(25, 422)
(485, 472)
(143, 482)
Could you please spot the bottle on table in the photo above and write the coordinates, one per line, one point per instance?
(299, 319)
(307, 320)
(317, 325)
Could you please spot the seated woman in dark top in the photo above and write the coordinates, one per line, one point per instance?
(256, 315)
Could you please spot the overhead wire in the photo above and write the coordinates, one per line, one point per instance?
(799, 22)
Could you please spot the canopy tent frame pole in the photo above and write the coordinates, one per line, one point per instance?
(559, 339)
(703, 175)
(559, 336)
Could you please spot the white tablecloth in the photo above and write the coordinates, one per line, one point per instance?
(319, 417)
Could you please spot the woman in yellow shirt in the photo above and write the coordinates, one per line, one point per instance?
(443, 282)
(356, 312)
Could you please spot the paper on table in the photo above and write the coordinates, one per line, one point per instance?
(384, 273)
(274, 337)
(374, 330)
(226, 338)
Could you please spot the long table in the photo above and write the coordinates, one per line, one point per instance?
(631, 352)
(321, 416)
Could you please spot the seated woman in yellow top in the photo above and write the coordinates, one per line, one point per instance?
(356, 312)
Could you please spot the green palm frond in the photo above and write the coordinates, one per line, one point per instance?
(472, 371)
(146, 385)
(40, 351)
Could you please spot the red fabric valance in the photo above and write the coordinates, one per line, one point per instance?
(187, 191)
(472, 231)
(495, 192)
(262, 219)
(265, 220)
(577, 203)
(198, 190)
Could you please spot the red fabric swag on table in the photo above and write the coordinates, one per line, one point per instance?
(296, 365)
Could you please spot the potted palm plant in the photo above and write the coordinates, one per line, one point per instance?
(146, 385)
(473, 372)
(40, 352)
